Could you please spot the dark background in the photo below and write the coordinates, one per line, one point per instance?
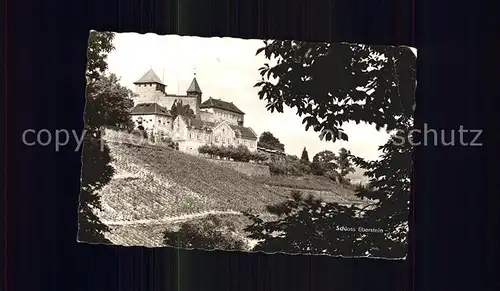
(45, 47)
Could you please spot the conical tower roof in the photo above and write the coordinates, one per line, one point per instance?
(194, 87)
(149, 77)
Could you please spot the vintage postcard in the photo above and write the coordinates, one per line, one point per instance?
(274, 146)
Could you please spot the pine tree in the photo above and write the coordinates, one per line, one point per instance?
(304, 159)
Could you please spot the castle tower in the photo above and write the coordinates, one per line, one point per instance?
(149, 87)
(195, 91)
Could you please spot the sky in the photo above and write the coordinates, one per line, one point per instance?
(227, 68)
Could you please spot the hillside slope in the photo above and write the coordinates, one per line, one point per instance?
(315, 184)
(156, 188)
(155, 182)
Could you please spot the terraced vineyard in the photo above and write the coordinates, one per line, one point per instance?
(156, 182)
(155, 188)
(318, 186)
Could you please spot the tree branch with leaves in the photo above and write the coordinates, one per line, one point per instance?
(107, 104)
(332, 84)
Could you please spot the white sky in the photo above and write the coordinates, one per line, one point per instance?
(227, 68)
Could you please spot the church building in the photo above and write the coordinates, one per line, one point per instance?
(214, 122)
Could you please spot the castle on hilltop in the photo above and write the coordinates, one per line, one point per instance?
(215, 121)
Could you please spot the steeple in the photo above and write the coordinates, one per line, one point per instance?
(195, 91)
(194, 88)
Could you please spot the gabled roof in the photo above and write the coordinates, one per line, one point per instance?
(244, 132)
(149, 77)
(194, 87)
(149, 108)
(241, 132)
(198, 123)
(217, 103)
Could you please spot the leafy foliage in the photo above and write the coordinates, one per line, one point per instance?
(317, 169)
(310, 182)
(96, 172)
(325, 157)
(278, 168)
(239, 153)
(329, 85)
(269, 141)
(179, 109)
(140, 132)
(344, 162)
(100, 44)
(210, 233)
(390, 176)
(390, 179)
(306, 225)
(323, 162)
(107, 104)
(170, 143)
(289, 166)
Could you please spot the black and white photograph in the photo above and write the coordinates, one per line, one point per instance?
(273, 146)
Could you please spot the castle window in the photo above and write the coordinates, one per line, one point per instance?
(216, 139)
(199, 136)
